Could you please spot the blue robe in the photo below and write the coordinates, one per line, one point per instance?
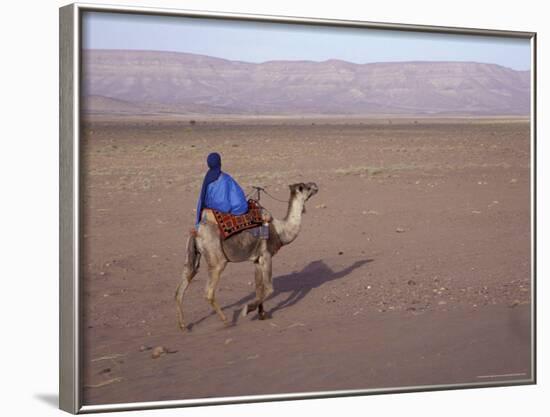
(224, 195)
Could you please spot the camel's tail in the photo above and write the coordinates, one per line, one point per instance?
(193, 255)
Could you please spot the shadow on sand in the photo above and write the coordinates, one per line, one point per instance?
(293, 287)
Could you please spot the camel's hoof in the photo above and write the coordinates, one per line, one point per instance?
(183, 327)
(264, 315)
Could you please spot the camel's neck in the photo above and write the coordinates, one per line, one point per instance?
(289, 227)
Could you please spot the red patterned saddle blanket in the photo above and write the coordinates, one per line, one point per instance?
(230, 224)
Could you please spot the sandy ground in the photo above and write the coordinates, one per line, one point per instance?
(412, 267)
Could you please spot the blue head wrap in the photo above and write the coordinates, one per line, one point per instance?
(214, 162)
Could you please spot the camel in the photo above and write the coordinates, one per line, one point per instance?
(242, 247)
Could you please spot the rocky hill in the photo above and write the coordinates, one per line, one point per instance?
(116, 81)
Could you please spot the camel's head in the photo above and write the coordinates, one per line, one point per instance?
(303, 192)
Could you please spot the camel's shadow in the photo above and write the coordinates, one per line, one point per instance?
(293, 287)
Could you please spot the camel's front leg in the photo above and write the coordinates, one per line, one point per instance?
(267, 283)
(214, 274)
(264, 286)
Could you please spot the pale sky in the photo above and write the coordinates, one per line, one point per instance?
(260, 41)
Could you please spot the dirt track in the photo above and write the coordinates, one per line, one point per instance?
(412, 266)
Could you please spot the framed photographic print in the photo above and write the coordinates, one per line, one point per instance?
(258, 208)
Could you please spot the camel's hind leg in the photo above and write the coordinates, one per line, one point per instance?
(190, 269)
(214, 273)
(187, 275)
(264, 286)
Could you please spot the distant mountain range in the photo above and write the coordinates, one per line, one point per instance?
(137, 82)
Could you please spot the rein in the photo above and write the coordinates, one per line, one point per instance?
(258, 191)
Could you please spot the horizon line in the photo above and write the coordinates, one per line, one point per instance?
(304, 60)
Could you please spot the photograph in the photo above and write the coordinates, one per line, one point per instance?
(278, 208)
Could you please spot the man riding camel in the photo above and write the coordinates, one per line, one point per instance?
(220, 191)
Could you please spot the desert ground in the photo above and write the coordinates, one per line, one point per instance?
(412, 267)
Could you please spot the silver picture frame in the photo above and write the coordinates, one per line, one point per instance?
(70, 334)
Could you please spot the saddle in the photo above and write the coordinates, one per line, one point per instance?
(230, 224)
